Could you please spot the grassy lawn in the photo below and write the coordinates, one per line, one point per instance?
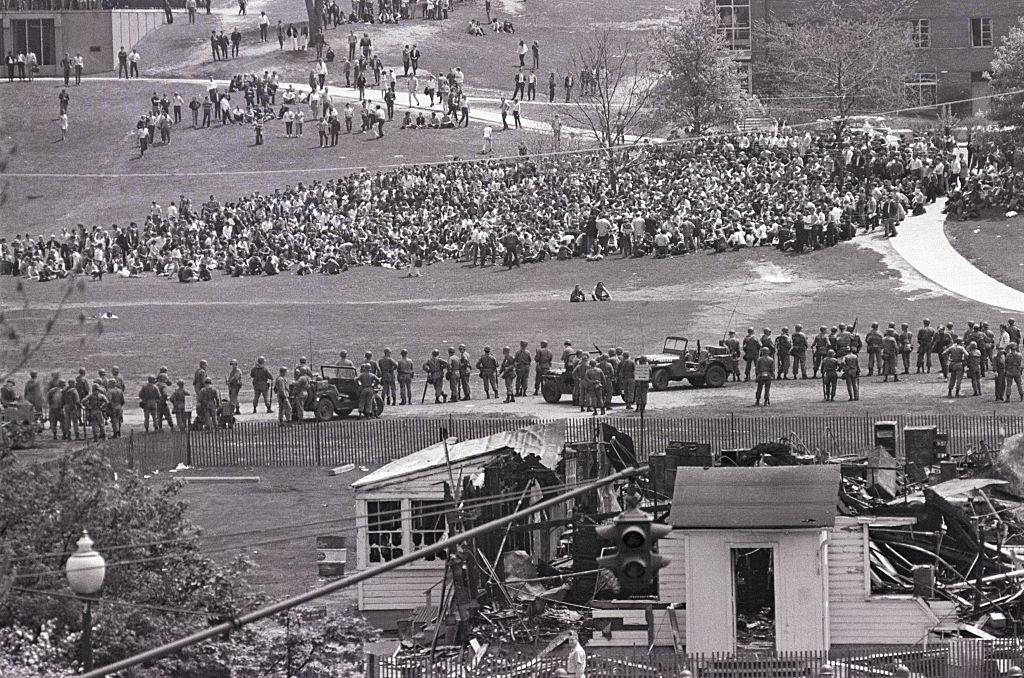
(166, 323)
(489, 62)
(993, 244)
(289, 497)
(218, 160)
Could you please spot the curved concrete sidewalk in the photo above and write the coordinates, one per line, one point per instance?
(923, 244)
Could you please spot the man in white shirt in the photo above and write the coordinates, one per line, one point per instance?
(264, 24)
(576, 662)
(487, 140)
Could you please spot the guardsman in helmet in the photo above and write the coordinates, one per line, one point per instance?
(282, 391)
(1013, 372)
(434, 367)
(177, 400)
(764, 372)
(542, 365)
(95, 409)
(974, 360)
(820, 346)
(906, 342)
(799, 351)
(261, 379)
(783, 352)
(200, 377)
(387, 367)
(72, 409)
(465, 367)
(55, 401)
(851, 375)
(149, 398)
(366, 380)
(873, 339)
(523, 361)
(208, 402)
(735, 353)
(954, 357)
(115, 396)
(368, 360)
(507, 370)
(829, 375)
(488, 369)
(343, 360)
(890, 349)
(452, 365)
(304, 370)
(751, 348)
(234, 385)
(406, 371)
(767, 342)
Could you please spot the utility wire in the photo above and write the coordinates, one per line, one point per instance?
(111, 601)
(347, 582)
(489, 501)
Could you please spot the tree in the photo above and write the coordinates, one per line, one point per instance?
(700, 85)
(1007, 77)
(840, 58)
(613, 106)
(159, 584)
(315, 13)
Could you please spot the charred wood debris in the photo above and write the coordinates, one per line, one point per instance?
(952, 530)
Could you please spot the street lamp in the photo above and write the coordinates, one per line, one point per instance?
(85, 570)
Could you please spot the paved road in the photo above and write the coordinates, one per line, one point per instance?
(923, 244)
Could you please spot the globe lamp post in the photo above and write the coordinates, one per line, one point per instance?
(85, 570)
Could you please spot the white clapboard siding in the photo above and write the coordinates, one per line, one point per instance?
(857, 618)
(631, 637)
(401, 589)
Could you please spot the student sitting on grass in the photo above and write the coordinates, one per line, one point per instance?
(407, 120)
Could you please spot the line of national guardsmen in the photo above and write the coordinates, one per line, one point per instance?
(836, 352)
(76, 403)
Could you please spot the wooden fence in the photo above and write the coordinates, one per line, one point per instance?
(378, 441)
(957, 659)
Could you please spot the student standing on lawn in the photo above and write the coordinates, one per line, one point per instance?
(63, 126)
(264, 26)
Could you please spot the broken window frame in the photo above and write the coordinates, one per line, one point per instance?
(381, 522)
(427, 531)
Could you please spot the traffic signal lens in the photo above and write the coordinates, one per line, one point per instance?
(634, 570)
(634, 538)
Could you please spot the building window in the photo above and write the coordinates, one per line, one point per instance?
(734, 23)
(922, 33)
(981, 32)
(923, 90)
(384, 530)
(34, 35)
(428, 526)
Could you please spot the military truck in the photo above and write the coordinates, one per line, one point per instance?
(702, 366)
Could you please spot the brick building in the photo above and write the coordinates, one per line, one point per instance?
(956, 42)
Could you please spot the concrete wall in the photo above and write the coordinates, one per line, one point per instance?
(129, 26)
(86, 33)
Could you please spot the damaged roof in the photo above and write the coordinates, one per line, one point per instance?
(759, 497)
(544, 440)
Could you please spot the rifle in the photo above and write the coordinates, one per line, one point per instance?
(426, 384)
(853, 327)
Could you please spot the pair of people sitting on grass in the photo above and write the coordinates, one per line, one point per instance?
(444, 122)
(600, 293)
(474, 27)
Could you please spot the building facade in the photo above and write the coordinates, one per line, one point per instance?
(956, 41)
(96, 34)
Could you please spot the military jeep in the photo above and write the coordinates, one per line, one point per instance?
(336, 393)
(703, 366)
(559, 381)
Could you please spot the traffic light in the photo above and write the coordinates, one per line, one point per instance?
(634, 535)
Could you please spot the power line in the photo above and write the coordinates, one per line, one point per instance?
(111, 601)
(492, 500)
(347, 582)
